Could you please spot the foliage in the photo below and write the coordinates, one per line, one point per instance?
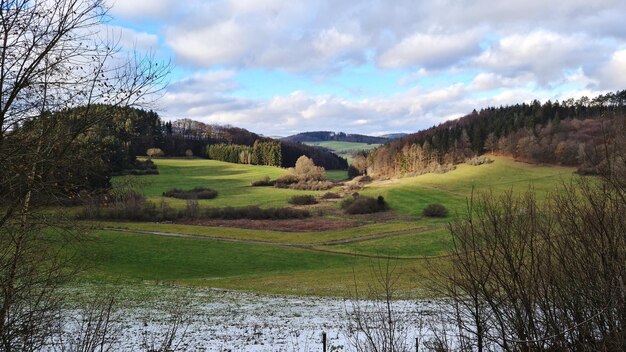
(331, 195)
(195, 193)
(303, 200)
(310, 185)
(263, 152)
(306, 170)
(140, 167)
(358, 167)
(359, 204)
(547, 259)
(286, 180)
(264, 182)
(292, 151)
(569, 133)
(435, 210)
(138, 209)
(479, 160)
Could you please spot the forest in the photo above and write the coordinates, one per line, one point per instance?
(110, 146)
(569, 133)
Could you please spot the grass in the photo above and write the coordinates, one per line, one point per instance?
(231, 181)
(266, 235)
(136, 258)
(337, 175)
(342, 147)
(423, 244)
(453, 189)
(132, 258)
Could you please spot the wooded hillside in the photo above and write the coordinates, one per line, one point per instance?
(568, 133)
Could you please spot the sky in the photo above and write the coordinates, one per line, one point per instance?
(279, 67)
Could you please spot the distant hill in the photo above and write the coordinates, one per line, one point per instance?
(571, 132)
(327, 136)
(392, 136)
(183, 134)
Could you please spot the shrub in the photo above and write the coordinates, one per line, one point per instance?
(255, 213)
(312, 185)
(265, 182)
(286, 180)
(196, 193)
(139, 167)
(128, 206)
(364, 205)
(330, 195)
(189, 153)
(155, 153)
(302, 200)
(192, 210)
(479, 160)
(435, 210)
(306, 170)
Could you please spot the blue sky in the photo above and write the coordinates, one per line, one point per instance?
(279, 67)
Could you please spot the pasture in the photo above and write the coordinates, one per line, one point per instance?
(293, 262)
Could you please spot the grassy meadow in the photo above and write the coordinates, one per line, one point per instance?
(293, 262)
(344, 149)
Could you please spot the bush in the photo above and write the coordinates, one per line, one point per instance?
(286, 180)
(364, 205)
(196, 193)
(302, 200)
(128, 206)
(140, 210)
(435, 211)
(312, 185)
(306, 170)
(255, 213)
(330, 195)
(155, 153)
(189, 153)
(139, 167)
(265, 182)
(478, 160)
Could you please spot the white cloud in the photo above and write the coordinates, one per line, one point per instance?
(545, 54)
(130, 39)
(431, 50)
(613, 74)
(141, 9)
(500, 53)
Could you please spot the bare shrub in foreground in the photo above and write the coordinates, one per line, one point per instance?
(376, 323)
(527, 275)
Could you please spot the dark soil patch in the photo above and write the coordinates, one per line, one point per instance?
(287, 225)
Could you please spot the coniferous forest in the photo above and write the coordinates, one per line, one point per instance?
(569, 133)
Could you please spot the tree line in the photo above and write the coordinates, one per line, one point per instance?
(261, 153)
(568, 132)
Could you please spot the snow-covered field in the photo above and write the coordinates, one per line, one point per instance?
(217, 320)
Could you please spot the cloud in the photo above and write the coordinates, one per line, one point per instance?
(446, 58)
(545, 54)
(131, 39)
(613, 74)
(431, 50)
(141, 9)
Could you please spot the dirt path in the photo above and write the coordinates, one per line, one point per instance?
(308, 246)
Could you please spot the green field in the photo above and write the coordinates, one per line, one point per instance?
(231, 181)
(294, 262)
(344, 149)
(453, 189)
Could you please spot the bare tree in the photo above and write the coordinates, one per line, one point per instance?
(376, 321)
(531, 275)
(54, 56)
